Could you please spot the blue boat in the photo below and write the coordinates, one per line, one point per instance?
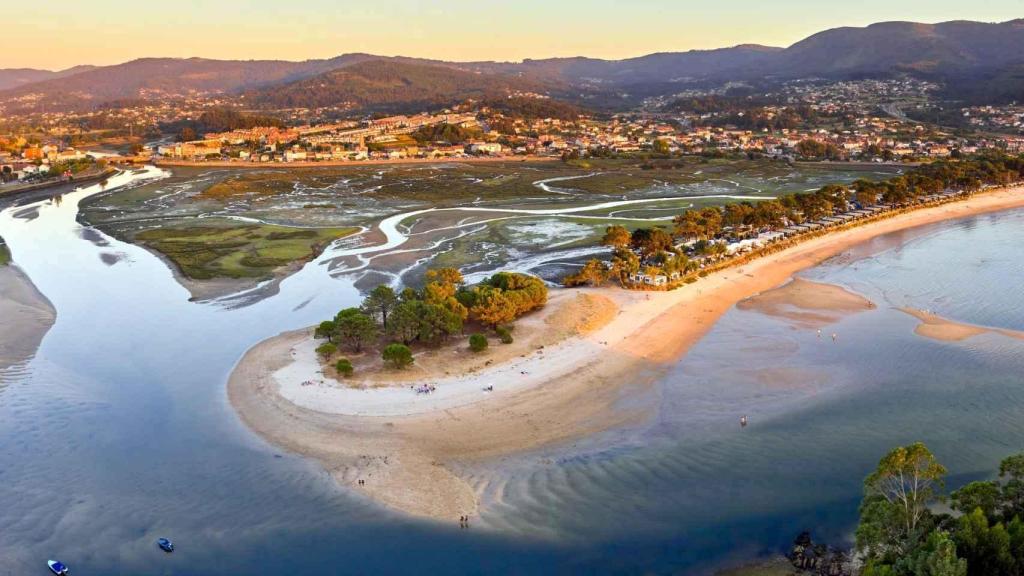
(165, 544)
(57, 568)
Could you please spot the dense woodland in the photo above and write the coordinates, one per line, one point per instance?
(219, 120)
(447, 133)
(531, 108)
(388, 85)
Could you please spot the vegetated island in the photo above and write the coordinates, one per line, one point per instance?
(403, 441)
(212, 259)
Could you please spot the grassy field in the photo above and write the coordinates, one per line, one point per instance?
(248, 251)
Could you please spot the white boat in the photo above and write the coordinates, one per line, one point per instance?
(57, 568)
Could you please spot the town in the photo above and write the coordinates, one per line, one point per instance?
(855, 121)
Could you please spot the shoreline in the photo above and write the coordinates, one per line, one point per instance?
(574, 387)
(28, 315)
(17, 190)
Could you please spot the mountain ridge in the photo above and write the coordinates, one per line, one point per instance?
(956, 52)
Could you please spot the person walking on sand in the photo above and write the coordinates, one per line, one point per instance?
(819, 332)
(834, 336)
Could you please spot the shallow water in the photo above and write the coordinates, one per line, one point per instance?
(119, 430)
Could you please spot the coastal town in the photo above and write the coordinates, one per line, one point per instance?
(838, 122)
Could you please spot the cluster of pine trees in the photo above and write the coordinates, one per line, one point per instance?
(432, 315)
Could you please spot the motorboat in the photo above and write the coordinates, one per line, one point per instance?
(165, 544)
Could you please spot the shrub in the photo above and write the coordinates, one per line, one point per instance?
(398, 355)
(344, 367)
(477, 342)
(327, 349)
(324, 330)
(504, 334)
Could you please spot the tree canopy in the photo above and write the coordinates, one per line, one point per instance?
(901, 534)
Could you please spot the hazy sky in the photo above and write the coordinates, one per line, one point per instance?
(62, 33)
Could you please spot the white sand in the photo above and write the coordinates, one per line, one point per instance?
(329, 396)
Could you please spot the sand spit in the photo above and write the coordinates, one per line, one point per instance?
(945, 330)
(408, 452)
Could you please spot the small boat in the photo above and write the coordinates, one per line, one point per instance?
(165, 544)
(57, 568)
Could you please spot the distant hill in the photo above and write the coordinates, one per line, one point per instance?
(659, 67)
(976, 60)
(14, 77)
(162, 77)
(949, 48)
(389, 84)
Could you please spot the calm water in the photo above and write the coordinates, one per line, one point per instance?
(119, 430)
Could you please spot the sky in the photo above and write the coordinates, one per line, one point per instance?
(62, 33)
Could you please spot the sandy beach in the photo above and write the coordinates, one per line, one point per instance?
(27, 316)
(408, 449)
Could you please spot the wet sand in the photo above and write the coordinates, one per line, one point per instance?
(27, 317)
(410, 461)
(945, 330)
(807, 304)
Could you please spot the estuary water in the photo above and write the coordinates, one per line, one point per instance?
(119, 431)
